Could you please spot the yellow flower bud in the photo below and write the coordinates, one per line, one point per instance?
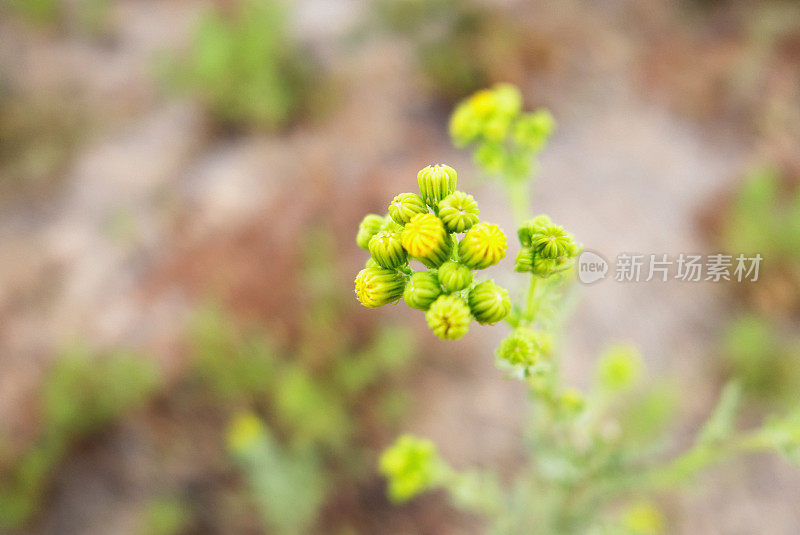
(484, 245)
(405, 206)
(436, 182)
(425, 238)
(386, 249)
(489, 302)
(378, 286)
(370, 225)
(448, 317)
(459, 212)
(483, 103)
(454, 276)
(422, 290)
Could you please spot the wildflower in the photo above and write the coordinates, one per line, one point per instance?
(387, 250)
(436, 182)
(533, 129)
(524, 260)
(379, 286)
(459, 212)
(484, 245)
(425, 238)
(370, 225)
(405, 206)
(454, 276)
(410, 465)
(448, 317)
(422, 290)
(532, 227)
(520, 348)
(489, 302)
(552, 241)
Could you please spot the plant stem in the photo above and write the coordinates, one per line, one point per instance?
(531, 305)
(519, 197)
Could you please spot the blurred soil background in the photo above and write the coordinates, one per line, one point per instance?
(128, 207)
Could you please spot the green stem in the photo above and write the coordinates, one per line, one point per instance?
(532, 302)
(519, 197)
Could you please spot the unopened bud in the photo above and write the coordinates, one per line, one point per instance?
(436, 182)
(405, 206)
(484, 245)
(459, 212)
(422, 290)
(425, 238)
(378, 286)
(454, 276)
(370, 225)
(386, 248)
(489, 302)
(448, 317)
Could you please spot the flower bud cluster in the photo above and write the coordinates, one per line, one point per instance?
(546, 248)
(505, 138)
(425, 227)
(525, 347)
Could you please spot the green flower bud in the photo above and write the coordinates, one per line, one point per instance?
(553, 242)
(508, 100)
(370, 225)
(534, 129)
(484, 245)
(448, 317)
(378, 286)
(531, 228)
(520, 348)
(459, 212)
(454, 276)
(496, 128)
(490, 157)
(619, 368)
(422, 290)
(524, 261)
(436, 182)
(543, 267)
(411, 466)
(386, 248)
(405, 206)
(465, 125)
(425, 238)
(489, 302)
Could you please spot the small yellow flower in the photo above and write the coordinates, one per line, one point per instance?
(378, 286)
(425, 238)
(449, 317)
(644, 518)
(483, 102)
(484, 245)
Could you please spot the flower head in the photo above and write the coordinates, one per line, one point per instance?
(520, 348)
(369, 226)
(379, 286)
(484, 245)
(454, 276)
(436, 182)
(405, 206)
(422, 289)
(244, 431)
(553, 242)
(448, 317)
(425, 238)
(489, 302)
(458, 211)
(387, 250)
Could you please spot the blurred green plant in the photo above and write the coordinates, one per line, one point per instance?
(460, 45)
(245, 66)
(92, 16)
(595, 460)
(302, 418)
(764, 218)
(81, 394)
(165, 516)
